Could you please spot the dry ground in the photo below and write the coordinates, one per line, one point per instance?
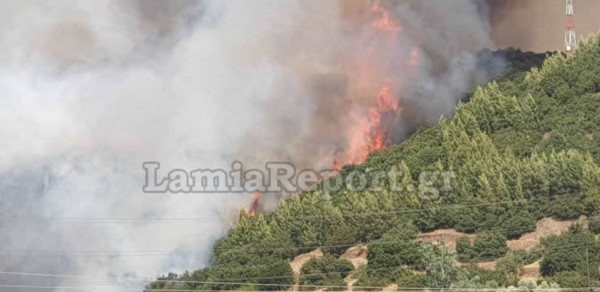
(357, 255)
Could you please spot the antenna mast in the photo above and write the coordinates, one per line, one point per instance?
(570, 36)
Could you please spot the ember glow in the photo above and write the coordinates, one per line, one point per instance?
(371, 133)
(385, 22)
(414, 57)
(256, 198)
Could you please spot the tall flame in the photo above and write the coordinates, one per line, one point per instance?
(384, 23)
(256, 198)
(371, 135)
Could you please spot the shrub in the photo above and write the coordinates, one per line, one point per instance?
(486, 246)
(570, 279)
(594, 225)
(490, 245)
(583, 251)
(464, 250)
(324, 271)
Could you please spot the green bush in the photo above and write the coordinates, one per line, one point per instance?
(570, 279)
(573, 251)
(394, 250)
(325, 271)
(490, 245)
(533, 139)
(594, 225)
(486, 246)
(464, 249)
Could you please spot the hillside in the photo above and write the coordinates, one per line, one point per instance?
(520, 150)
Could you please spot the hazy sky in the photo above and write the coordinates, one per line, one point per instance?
(539, 24)
(92, 89)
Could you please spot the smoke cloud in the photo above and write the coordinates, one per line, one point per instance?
(91, 89)
(539, 25)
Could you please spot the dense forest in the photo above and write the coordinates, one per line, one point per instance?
(524, 147)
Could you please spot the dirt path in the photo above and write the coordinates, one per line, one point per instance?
(299, 261)
(544, 228)
(448, 235)
(531, 271)
(357, 255)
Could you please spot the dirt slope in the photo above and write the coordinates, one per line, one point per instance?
(357, 255)
(300, 260)
(544, 228)
(448, 235)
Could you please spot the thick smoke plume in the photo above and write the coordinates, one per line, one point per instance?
(91, 89)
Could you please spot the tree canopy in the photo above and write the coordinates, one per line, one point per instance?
(522, 148)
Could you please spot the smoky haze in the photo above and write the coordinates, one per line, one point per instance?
(539, 25)
(92, 89)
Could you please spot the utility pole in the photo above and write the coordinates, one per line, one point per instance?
(570, 36)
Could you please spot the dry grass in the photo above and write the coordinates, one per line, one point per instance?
(357, 255)
(391, 287)
(527, 241)
(448, 235)
(350, 281)
(489, 265)
(531, 271)
(547, 135)
(544, 228)
(300, 260)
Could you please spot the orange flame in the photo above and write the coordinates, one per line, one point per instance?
(337, 165)
(256, 198)
(384, 23)
(371, 135)
(414, 57)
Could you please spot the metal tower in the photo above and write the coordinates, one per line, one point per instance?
(570, 36)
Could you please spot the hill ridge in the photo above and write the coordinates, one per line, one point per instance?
(496, 147)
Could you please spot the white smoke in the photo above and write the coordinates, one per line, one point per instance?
(91, 89)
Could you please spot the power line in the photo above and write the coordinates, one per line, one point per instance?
(88, 286)
(480, 260)
(232, 250)
(105, 220)
(99, 253)
(561, 247)
(210, 219)
(399, 288)
(391, 267)
(276, 285)
(176, 281)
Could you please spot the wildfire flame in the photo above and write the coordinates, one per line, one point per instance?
(371, 135)
(256, 197)
(384, 23)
